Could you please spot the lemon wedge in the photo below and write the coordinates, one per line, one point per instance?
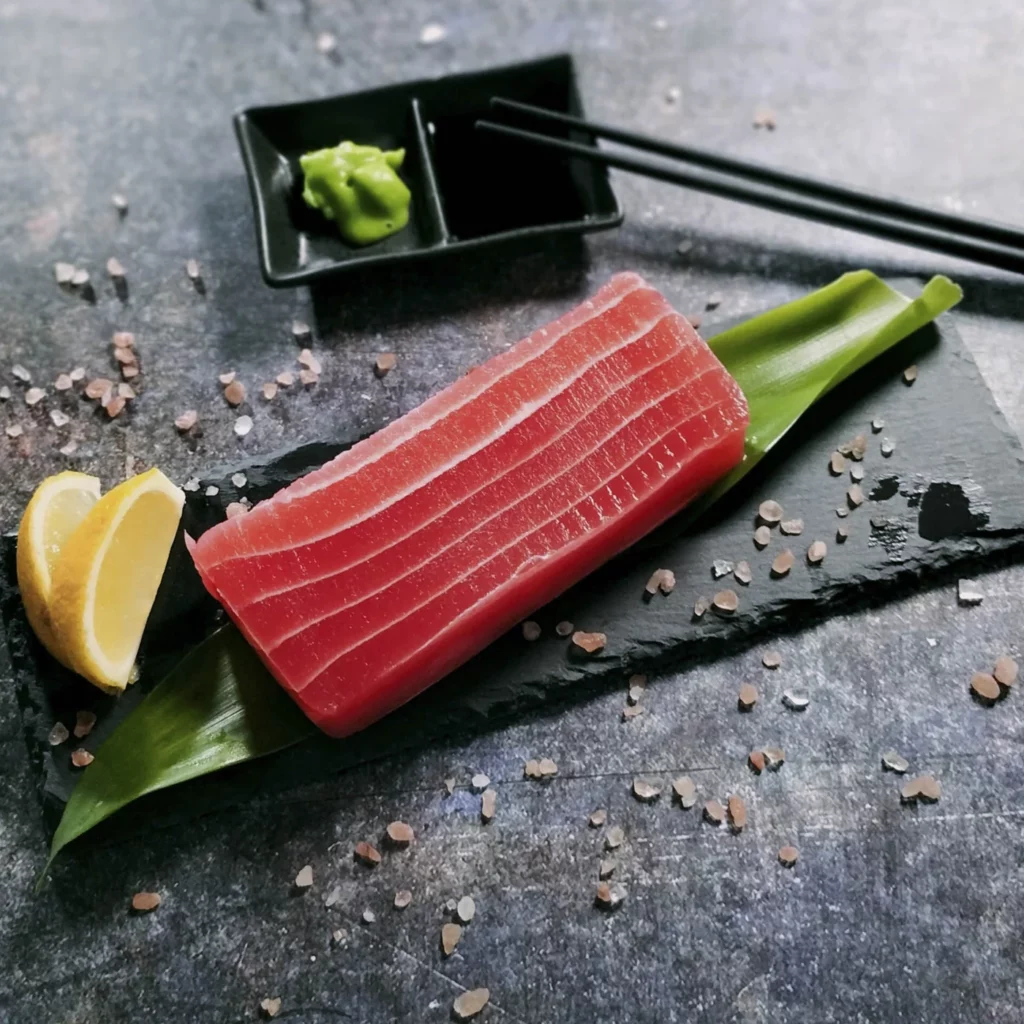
(56, 510)
(107, 576)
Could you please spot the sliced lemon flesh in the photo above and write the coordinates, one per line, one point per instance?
(107, 576)
(57, 509)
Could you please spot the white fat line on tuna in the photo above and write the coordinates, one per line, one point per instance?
(310, 579)
(396, 580)
(532, 530)
(290, 493)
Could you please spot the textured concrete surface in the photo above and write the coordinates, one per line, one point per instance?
(892, 913)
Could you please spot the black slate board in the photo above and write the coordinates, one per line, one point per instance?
(950, 499)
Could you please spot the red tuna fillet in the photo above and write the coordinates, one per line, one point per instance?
(372, 577)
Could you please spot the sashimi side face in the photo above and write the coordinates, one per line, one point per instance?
(372, 577)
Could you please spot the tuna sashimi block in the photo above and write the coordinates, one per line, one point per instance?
(369, 579)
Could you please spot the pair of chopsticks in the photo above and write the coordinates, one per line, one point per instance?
(997, 245)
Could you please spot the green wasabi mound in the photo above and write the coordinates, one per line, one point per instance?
(359, 189)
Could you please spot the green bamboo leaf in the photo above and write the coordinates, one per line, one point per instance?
(217, 707)
(220, 706)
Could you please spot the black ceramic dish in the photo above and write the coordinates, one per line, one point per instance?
(468, 190)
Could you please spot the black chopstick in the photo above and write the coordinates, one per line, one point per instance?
(985, 242)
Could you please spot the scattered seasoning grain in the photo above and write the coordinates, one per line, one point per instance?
(893, 762)
(645, 792)
(227, 378)
(816, 552)
(762, 535)
(929, 788)
(769, 512)
(756, 761)
(597, 818)
(402, 899)
(488, 804)
(64, 272)
(187, 420)
(1005, 671)
(737, 813)
(837, 464)
(747, 697)
(126, 391)
(239, 480)
(788, 856)
(842, 512)
(304, 879)
(700, 606)
(5, 393)
(465, 909)
(310, 361)
(144, 902)
(333, 897)
(115, 406)
(547, 767)
(125, 356)
(62, 383)
(366, 854)
(469, 1004)
(614, 839)
(855, 496)
(606, 868)
(20, 373)
(782, 563)
(968, 593)
(308, 378)
(886, 448)
(384, 363)
(269, 391)
(34, 396)
(635, 693)
(663, 580)
(856, 474)
(80, 278)
(910, 374)
(792, 527)
(564, 628)
(609, 897)
(58, 418)
(130, 371)
(338, 937)
(684, 246)
(192, 270)
(743, 573)
(70, 448)
(235, 509)
(631, 711)
(432, 33)
(775, 758)
(726, 602)
(85, 722)
(58, 734)
(795, 701)
(15, 430)
(369, 916)
(479, 782)
(858, 447)
(300, 329)
(685, 791)
(234, 392)
(243, 425)
(120, 203)
(841, 534)
(771, 659)
(589, 642)
(450, 935)
(714, 812)
(212, 491)
(270, 1007)
(326, 43)
(114, 268)
(531, 630)
(985, 688)
(877, 426)
(400, 833)
(532, 769)
(449, 785)
(765, 118)
(286, 379)
(721, 567)
(80, 758)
